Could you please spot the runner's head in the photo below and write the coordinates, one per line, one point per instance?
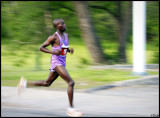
(59, 24)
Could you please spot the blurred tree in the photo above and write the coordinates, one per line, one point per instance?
(153, 29)
(66, 11)
(153, 22)
(88, 32)
(48, 20)
(121, 12)
(24, 24)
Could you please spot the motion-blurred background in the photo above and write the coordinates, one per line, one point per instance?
(102, 25)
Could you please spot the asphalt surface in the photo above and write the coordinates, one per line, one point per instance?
(134, 98)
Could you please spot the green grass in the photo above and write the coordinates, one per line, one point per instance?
(20, 61)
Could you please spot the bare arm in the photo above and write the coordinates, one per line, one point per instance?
(47, 43)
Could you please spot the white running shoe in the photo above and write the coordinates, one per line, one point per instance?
(74, 112)
(22, 84)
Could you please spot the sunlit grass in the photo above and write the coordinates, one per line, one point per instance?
(18, 62)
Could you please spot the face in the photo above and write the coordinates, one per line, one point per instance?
(61, 26)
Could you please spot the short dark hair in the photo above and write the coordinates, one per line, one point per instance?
(56, 21)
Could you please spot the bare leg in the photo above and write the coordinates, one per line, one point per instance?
(64, 74)
(51, 78)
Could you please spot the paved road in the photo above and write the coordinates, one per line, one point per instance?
(123, 101)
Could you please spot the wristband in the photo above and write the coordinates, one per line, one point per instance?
(68, 50)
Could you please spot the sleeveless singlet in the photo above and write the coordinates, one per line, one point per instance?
(58, 59)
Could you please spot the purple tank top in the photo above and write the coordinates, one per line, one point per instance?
(58, 59)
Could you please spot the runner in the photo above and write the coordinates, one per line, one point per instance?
(60, 47)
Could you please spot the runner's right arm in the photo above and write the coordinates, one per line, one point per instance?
(49, 41)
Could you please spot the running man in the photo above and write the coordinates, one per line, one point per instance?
(58, 63)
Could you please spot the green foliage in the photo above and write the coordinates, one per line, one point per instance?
(65, 10)
(106, 27)
(152, 20)
(104, 23)
(23, 30)
(23, 25)
(25, 21)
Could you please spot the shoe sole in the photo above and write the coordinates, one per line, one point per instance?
(74, 115)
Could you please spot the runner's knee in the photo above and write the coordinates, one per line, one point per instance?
(71, 83)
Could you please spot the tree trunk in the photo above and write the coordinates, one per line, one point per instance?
(123, 25)
(48, 22)
(89, 35)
